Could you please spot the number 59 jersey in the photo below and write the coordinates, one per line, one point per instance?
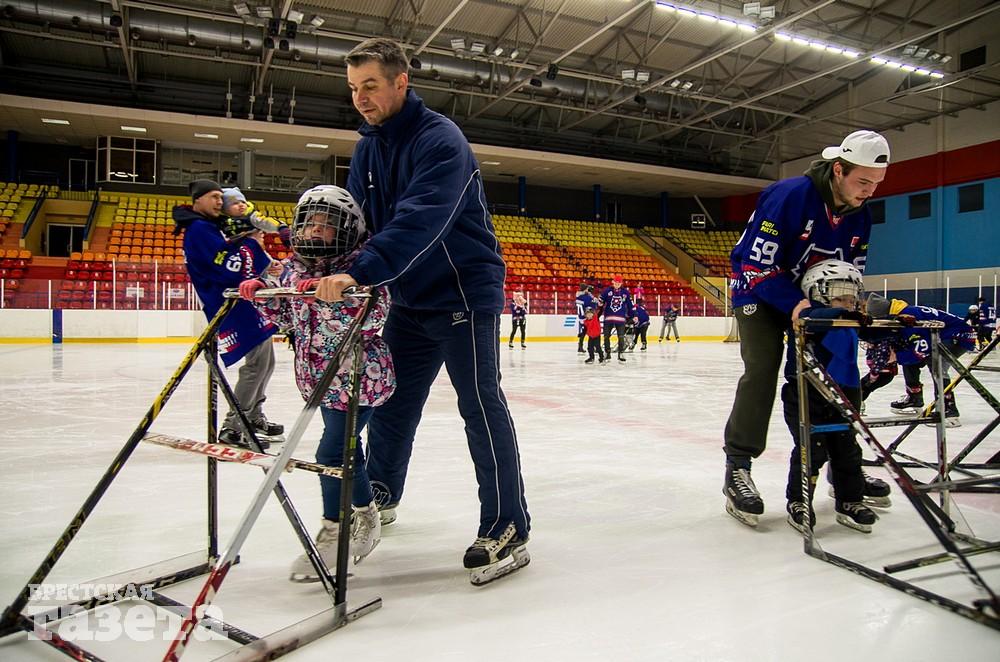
(791, 229)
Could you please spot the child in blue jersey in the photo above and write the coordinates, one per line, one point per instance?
(796, 223)
(640, 320)
(912, 350)
(584, 301)
(988, 318)
(834, 288)
(518, 318)
(617, 304)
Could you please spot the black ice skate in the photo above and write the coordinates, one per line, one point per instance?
(742, 498)
(876, 494)
(910, 403)
(855, 515)
(951, 419)
(489, 559)
(799, 514)
(274, 432)
(233, 437)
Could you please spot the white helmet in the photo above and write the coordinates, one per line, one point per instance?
(973, 308)
(829, 279)
(326, 207)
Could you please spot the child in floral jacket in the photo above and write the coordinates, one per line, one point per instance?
(326, 238)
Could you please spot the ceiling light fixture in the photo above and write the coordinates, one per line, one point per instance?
(295, 16)
(264, 11)
(642, 76)
(241, 9)
(628, 74)
(490, 163)
(317, 21)
(687, 12)
(48, 120)
(251, 140)
(134, 129)
(477, 47)
(317, 146)
(210, 136)
(458, 44)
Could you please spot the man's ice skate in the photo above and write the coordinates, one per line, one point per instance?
(855, 515)
(910, 403)
(742, 498)
(876, 494)
(387, 514)
(233, 437)
(266, 427)
(799, 514)
(492, 558)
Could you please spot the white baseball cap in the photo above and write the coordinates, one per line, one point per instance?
(863, 148)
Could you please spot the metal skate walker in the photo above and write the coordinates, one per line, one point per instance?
(144, 582)
(957, 547)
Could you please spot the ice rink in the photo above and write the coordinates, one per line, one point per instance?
(633, 555)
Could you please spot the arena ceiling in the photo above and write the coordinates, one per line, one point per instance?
(700, 84)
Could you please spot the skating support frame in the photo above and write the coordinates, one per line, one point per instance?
(167, 573)
(811, 374)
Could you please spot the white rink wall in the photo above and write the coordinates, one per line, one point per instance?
(169, 325)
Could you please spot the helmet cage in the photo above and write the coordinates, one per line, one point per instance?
(833, 279)
(327, 224)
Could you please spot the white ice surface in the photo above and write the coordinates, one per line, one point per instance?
(633, 555)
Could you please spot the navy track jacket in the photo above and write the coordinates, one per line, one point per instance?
(433, 242)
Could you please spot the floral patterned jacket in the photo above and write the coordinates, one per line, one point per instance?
(320, 327)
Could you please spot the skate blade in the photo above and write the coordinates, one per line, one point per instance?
(877, 502)
(801, 528)
(904, 412)
(851, 524)
(948, 423)
(361, 557)
(387, 517)
(750, 519)
(483, 575)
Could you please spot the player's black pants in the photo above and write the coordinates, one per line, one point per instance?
(619, 329)
(839, 447)
(911, 373)
(466, 343)
(762, 330)
(517, 324)
(581, 335)
(594, 345)
(641, 333)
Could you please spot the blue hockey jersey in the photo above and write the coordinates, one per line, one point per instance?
(617, 304)
(585, 302)
(791, 229)
(915, 343)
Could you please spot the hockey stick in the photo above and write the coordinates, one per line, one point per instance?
(832, 394)
(12, 613)
(240, 455)
(228, 557)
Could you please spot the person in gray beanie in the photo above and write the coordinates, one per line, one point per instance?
(214, 264)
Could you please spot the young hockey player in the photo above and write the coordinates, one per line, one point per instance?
(584, 301)
(977, 321)
(214, 264)
(617, 309)
(669, 323)
(912, 347)
(641, 323)
(834, 287)
(327, 236)
(518, 318)
(988, 316)
(592, 327)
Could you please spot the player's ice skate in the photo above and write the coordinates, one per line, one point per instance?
(365, 536)
(489, 559)
(855, 515)
(268, 431)
(876, 494)
(366, 531)
(742, 498)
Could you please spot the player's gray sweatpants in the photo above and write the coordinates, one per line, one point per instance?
(669, 327)
(762, 345)
(254, 375)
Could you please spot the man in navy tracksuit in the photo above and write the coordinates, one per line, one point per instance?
(797, 222)
(435, 248)
(617, 309)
